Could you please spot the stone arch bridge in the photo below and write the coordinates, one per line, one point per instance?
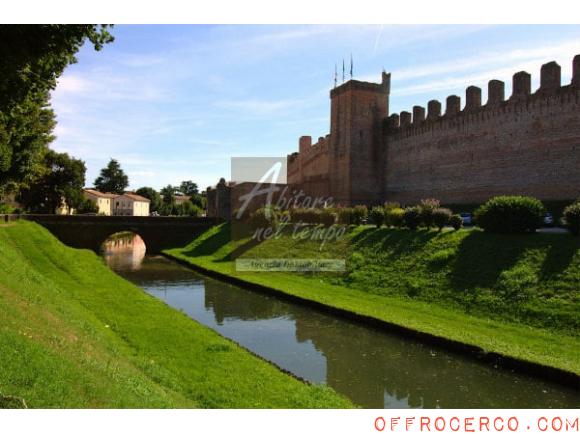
(158, 233)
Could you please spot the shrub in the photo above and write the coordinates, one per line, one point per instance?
(6, 209)
(441, 217)
(324, 216)
(456, 222)
(412, 217)
(260, 219)
(510, 214)
(377, 216)
(391, 206)
(395, 217)
(327, 217)
(345, 215)
(304, 215)
(427, 208)
(87, 206)
(352, 215)
(188, 208)
(285, 216)
(360, 213)
(572, 217)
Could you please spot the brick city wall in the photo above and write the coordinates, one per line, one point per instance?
(528, 144)
(310, 169)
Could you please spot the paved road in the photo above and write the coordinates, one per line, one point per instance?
(552, 230)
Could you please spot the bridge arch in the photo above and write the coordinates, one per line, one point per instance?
(158, 233)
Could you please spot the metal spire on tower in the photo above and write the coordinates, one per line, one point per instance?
(351, 66)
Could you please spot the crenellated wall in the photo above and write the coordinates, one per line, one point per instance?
(310, 168)
(527, 144)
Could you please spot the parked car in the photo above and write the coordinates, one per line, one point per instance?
(155, 214)
(467, 218)
(549, 220)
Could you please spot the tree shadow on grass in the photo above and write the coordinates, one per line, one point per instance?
(559, 256)
(240, 250)
(482, 257)
(396, 241)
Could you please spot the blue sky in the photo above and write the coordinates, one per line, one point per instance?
(174, 103)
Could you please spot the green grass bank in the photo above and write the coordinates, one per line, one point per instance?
(514, 295)
(73, 334)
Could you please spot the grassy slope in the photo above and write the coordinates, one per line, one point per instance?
(515, 295)
(74, 334)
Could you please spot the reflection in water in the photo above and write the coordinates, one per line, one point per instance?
(372, 368)
(124, 251)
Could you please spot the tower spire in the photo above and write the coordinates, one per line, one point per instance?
(342, 70)
(335, 74)
(351, 66)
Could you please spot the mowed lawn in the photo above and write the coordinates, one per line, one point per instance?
(75, 335)
(517, 295)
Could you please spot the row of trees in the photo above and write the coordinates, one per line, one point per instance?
(427, 214)
(501, 214)
(165, 202)
(113, 179)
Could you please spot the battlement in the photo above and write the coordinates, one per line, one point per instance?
(308, 150)
(356, 85)
(521, 99)
(525, 143)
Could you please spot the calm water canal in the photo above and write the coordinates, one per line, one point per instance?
(373, 368)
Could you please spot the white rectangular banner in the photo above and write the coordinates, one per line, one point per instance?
(303, 422)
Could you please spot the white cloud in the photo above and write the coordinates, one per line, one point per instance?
(72, 84)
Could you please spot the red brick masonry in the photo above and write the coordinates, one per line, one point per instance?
(527, 144)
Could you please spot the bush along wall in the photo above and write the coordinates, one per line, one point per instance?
(510, 214)
(572, 218)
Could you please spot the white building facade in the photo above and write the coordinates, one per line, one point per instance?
(130, 204)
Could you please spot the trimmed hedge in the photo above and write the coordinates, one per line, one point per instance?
(377, 216)
(427, 207)
(260, 219)
(456, 222)
(352, 215)
(441, 217)
(510, 214)
(395, 217)
(572, 217)
(412, 217)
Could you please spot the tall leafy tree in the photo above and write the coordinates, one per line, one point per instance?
(112, 179)
(168, 198)
(189, 188)
(152, 195)
(24, 139)
(87, 206)
(61, 183)
(32, 57)
(168, 194)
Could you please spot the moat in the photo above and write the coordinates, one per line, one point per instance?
(373, 368)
